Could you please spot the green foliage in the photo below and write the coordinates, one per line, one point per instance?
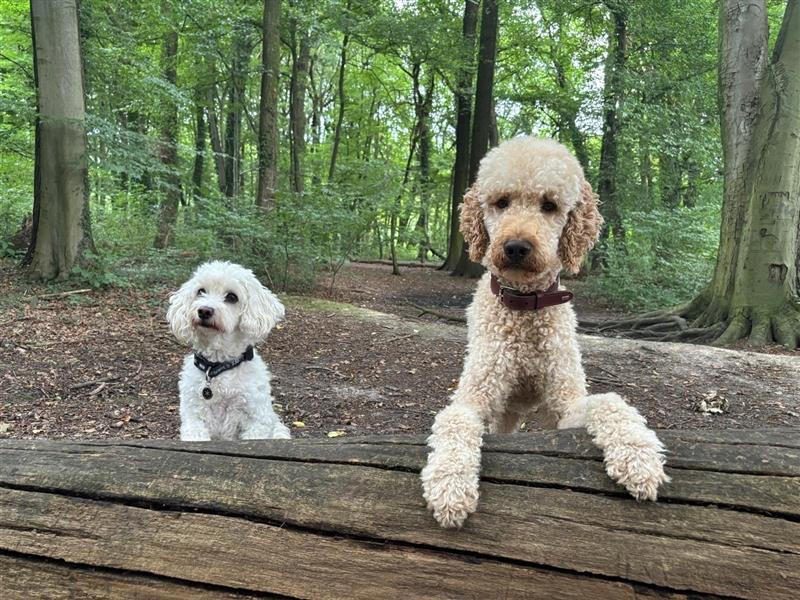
(668, 256)
(548, 81)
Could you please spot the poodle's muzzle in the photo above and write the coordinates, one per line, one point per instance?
(205, 318)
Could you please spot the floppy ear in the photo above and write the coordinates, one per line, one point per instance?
(581, 231)
(472, 226)
(262, 311)
(178, 313)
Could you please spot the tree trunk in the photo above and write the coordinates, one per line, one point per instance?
(199, 146)
(483, 111)
(669, 178)
(268, 111)
(463, 98)
(337, 134)
(744, 34)
(168, 150)
(612, 116)
(754, 292)
(297, 104)
(242, 48)
(423, 102)
(216, 140)
(61, 227)
(764, 301)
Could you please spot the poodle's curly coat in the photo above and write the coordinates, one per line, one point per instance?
(531, 190)
(240, 312)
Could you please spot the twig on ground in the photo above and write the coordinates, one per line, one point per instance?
(69, 293)
(98, 389)
(436, 313)
(397, 338)
(607, 372)
(326, 369)
(79, 386)
(24, 318)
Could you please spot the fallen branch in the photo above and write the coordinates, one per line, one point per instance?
(400, 263)
(430, 311)
(109, 379)
(4, 323)
(397, 338)
(69, 293)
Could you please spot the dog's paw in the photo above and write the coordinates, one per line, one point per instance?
(451, 497)
(639, 468)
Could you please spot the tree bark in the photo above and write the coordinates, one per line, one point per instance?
(670, 176)
(754, 291)
(268, 111)
(216, 140)
(61, 227)
(613, 97)
(743, 40)
(199, 146)
(337, 134)
(483, 111)
(168, 146)
(765, 302)
(297, 103)
(463, 99)
(423, 102)
(242, 48)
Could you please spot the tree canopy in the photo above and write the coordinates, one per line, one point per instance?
(365, 114)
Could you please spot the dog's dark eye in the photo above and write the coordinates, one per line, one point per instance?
(548, 206)
(201, 291)
(231, 298)
(503, 202)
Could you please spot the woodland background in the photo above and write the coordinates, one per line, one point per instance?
(294, 135)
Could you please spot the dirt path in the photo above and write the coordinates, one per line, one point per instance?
(102, 364)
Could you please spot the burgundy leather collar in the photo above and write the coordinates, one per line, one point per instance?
(515, 300)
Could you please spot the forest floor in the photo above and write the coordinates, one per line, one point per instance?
(362, 360)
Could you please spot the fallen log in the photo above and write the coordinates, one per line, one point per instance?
(344, 518)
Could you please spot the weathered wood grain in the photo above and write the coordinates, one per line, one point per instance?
(326, 519)
(24, 579)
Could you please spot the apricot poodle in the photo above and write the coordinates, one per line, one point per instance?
(529, 214)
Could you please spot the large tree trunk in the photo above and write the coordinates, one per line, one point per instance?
(743, 39)
(61, 230)
(764, 302)
(337, 133)
(483, 111)
(297, 103)
(268, 111)
(168, 146)
(754, 290)
(463, 98)
(613, 95)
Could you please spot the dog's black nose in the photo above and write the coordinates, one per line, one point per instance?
(517, 250)
(205, 313)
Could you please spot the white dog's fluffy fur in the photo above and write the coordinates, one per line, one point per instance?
(533, 190)
(243, 313)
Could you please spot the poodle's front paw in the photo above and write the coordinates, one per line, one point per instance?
(452, 496)
(639, 468)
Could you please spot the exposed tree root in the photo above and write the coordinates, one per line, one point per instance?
(424, 310)
(701, 321)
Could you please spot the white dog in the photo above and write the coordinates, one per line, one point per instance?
(222, 312)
